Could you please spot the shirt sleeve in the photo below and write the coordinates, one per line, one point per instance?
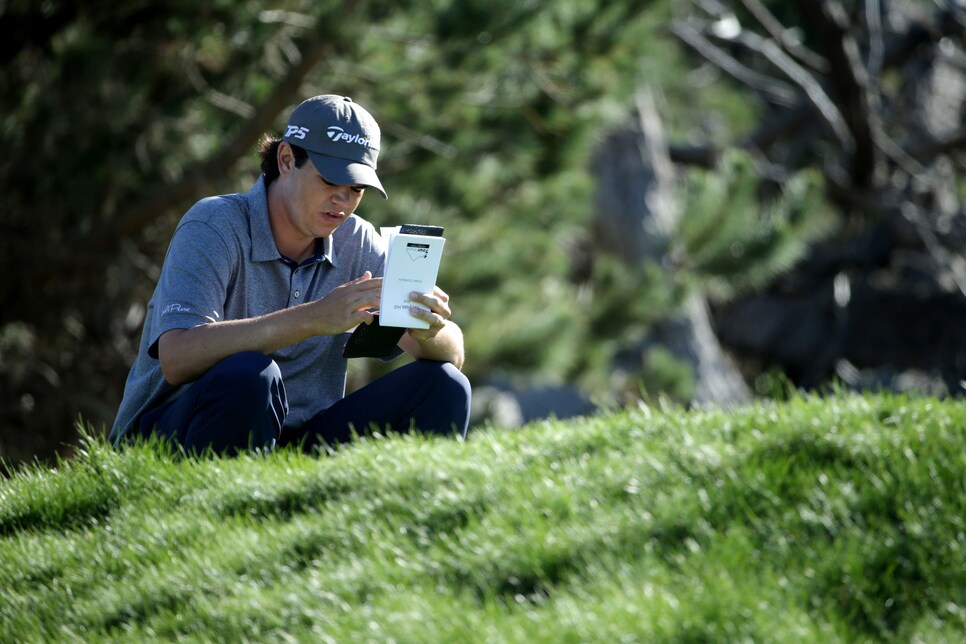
(372, 255)
(194, 281)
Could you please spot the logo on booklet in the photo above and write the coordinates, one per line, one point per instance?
(417, 251)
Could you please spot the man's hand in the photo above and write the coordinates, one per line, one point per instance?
(443, 340)
(438, 313)
(347, 306)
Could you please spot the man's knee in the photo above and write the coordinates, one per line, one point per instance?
(246, 398)
(444, 376)
(457, 383)
(249, 372)
(451, 388)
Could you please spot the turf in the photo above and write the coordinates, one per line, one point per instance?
(839, 518)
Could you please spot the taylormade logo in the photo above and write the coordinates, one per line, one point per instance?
(336, 133)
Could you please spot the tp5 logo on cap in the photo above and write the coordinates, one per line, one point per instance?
(296, 132)
(336, 133)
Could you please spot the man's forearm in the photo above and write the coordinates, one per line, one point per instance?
(186, 354)
(446, 346)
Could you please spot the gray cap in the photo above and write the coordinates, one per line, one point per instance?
(341, 137)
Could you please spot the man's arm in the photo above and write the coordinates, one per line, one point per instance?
(186, 354)
(445, 345)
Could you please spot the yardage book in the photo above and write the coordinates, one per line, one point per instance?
(412, 264)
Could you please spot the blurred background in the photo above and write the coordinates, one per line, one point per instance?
(703, 201)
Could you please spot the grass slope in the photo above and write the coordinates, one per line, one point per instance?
(837, 519)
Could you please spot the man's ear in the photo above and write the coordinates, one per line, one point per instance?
(285, 158)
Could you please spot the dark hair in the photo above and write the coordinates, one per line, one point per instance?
(268, 150)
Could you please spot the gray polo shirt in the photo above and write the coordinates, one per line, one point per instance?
(223, 264)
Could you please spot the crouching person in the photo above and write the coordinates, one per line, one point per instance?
(242, 343)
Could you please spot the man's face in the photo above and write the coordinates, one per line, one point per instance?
(315, 206)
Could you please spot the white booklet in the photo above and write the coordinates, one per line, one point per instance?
(412, 264)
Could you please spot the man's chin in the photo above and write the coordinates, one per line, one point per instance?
(325, 231)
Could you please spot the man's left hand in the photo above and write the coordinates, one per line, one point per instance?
(439, 312)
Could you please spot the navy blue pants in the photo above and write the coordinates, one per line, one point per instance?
(240, 404)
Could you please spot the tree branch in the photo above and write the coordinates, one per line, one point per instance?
(945, 21)
(198, 179)
(873, 21)
(775, 129)
(779, 34)
(849, 83)
(812, 88)
(776, 91)
(925, 151)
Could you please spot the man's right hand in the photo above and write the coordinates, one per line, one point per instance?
(347, 306)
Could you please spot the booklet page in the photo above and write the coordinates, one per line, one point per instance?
(412, 264)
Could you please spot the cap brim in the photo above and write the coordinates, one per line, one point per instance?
(343, 172)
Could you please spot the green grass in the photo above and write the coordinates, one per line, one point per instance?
(839, 519)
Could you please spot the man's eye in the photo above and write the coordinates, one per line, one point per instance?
(358, 189)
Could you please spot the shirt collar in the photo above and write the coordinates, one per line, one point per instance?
(263, 242)
(328, 249)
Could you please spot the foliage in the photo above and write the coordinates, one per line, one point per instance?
(736, 234)
(836, 518)
(114, 121)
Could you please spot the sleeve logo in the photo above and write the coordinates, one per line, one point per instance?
(175, 308)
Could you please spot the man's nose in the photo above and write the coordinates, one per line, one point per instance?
(341, 194)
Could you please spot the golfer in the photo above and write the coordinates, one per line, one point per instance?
(242, 343)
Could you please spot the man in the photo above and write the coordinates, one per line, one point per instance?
(242, 343)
